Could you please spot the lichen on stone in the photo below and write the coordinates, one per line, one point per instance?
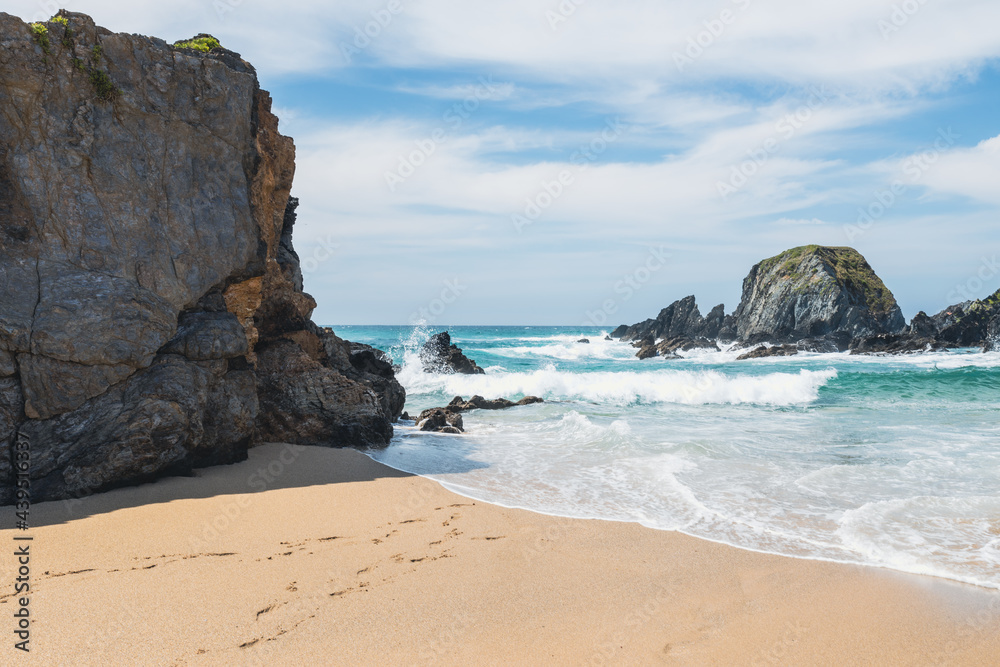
(104, 87)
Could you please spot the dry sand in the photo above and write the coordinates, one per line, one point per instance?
(331, 558)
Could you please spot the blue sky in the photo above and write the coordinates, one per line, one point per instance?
(430, 152)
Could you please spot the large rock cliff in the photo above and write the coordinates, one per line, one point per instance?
(152, 316)
(815, 292)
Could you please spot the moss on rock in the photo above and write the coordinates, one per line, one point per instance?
(202, 42)
(847, 265)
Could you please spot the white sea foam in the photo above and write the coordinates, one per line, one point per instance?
(629, 387)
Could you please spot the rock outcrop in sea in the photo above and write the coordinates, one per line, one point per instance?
(811, 298)
(815, 292)
(440, 355)
(815, 299)
(153, 316)
(969, 324)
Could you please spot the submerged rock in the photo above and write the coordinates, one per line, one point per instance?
(584, 340)
(765, 351)
(436, 419)
(440, 420)
(440, 355)
(479, 403)
(894, 344)
(668, 349)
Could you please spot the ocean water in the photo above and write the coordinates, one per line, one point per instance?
(886, 461)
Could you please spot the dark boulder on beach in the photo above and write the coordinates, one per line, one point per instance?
(153, 318)
(440, 355)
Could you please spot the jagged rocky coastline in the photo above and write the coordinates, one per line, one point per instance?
(814, 299)
(153, 316)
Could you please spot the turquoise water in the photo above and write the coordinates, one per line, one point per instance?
(888, 461)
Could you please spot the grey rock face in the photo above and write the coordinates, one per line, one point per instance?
(681, 320)
(993, 335)
(365, 364)
(304, 402)
(11, 414)
(208, 335)
(815, 291)
(8, 364)
(147, 275)
(173, 416)
(969, 324)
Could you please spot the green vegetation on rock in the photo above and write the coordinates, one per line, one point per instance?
(41, 33)
(59, 19)
(104, 86)
(847, 264)
(203, 43)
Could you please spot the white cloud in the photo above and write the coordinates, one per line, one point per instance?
(971, 172)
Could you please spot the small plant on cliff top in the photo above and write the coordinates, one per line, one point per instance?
(203, 43)
(59, 19)
(104, 86)
(41, 34)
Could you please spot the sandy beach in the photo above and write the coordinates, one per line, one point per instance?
(306, 555)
